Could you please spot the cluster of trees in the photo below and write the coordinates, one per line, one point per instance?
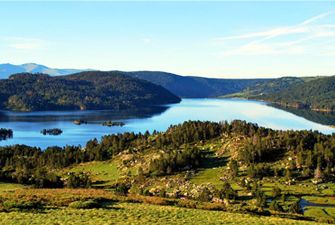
(175, 160)
(5, 133)
(78, 180)
(54, 131)
(308, 152)
(85, 90)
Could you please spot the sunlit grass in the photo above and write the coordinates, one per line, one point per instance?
(103, 171)
(5, 187)
(129, 213)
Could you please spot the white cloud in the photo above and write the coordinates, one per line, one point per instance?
(294, 39)
(266, 34)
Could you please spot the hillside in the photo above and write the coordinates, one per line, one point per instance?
(268, 87)
(196, 87)
(85, 90)
(182, 86)
(317, 94)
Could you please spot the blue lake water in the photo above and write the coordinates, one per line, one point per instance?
(27, 126)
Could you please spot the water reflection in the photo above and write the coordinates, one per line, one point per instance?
(325, 118)
(27, 126)
(90, 115)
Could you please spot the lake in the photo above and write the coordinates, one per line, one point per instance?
(27, 125)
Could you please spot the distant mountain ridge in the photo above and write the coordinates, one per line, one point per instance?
(196, 87)
(182, 86)
(8, 69)
(317, 93)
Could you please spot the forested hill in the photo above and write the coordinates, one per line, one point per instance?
(316, 94)
(84, 90)
(196, 87)
(182, 86)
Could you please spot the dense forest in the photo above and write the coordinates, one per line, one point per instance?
(85, 90)
(317, 94)
(268, 87)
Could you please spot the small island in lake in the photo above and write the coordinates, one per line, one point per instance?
(79, 122)
(113, 123)
(5, 134)
(54, 131)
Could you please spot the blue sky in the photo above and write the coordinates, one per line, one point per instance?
(214, 39)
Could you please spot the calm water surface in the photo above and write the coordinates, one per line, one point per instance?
(27, 126)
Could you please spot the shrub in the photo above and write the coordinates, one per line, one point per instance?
(187, 203)
(276, 192)
(122, 188)
(78, 180)
(89, 204)
(227, 192)
(295, 208)
(22, 204)
(275, 206)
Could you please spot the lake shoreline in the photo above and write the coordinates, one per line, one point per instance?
(27, 126)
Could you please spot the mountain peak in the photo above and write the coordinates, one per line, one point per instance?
(8, 69)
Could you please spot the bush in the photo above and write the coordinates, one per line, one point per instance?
(78, 180)
(22, 204)
(205, 195)
(185, 203)
(295, 208)
(122, 188)
(89, 204)
(276, 192)
(275, 206)
(227, 192)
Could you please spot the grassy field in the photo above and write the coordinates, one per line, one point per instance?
(5, 187)
(102, 172)
(211, 175)
(131, 213)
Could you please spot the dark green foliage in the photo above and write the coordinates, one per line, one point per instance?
(259, 195)
(276, 192)
(271, 86)
(88, 204)
(78, 180)
(227, 192)
(5, 134)
(259, 171)
(316, 94)
(85, 90)
(175, 160)
(54, 131)
(295, 208)
(233, 168)
(22, 204)
(123, 188)
(275, 206)
(205, 195)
